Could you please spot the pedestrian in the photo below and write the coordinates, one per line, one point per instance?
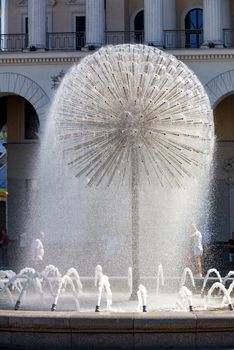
(37, 252)
(197, 249)
(4, 240)
(231, 251)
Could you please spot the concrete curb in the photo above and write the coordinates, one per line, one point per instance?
(71, 330)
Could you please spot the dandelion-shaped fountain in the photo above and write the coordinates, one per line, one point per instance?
(133, 111)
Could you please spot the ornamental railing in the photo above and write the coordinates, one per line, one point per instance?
(124, 37)
(175, 39)
(14, 42)
(66, 41)
(228, 37)
(71, 41)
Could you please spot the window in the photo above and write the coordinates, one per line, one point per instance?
(194, 28)
(139, 27)
(31, 122)
(80, 32)
(139, 21)
(26, 31)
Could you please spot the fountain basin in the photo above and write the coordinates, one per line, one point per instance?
(71, 330)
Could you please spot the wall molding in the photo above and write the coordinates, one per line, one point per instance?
(38, 60)
(24, 3)
(72, 2)
(70, 57)
(205, 57)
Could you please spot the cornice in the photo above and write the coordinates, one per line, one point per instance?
(73, 57)
(38, 60)
(205, 57)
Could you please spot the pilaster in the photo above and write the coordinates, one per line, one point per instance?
(4, 24)
(212, 18)
(95, 23)
(153, 17)
(169, 23)
(37, 23)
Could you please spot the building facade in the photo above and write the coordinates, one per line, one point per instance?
(42, 39)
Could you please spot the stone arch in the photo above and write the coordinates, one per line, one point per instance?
(25, 87)
(186, 11)
(220, 86)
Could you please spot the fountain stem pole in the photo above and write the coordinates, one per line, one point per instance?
(135, 223)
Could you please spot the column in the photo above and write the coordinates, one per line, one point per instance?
(228, 35)
(4, 24)
(169, 24)
(95, 23)
(153, 22)
(212, 19)
(37, 23)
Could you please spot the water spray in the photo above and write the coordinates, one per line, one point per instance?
(131, 110)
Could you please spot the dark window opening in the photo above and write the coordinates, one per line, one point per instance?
(31, 122)
(26, 31)
(80, 32)
(139, 27)
(139, 21)
(194, 28)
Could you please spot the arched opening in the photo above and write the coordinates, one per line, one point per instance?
(139, 27)
(224, 119)
(20, 117)
(3, 162)
(19, 126)
(223, 208)
(194, 28)
(139, 21)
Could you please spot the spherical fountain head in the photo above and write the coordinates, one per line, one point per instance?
(133, 97)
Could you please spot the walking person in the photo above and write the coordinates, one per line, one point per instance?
(197, 249)
(37, 252)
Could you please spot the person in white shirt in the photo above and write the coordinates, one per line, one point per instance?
(197, 248)
(37, 251)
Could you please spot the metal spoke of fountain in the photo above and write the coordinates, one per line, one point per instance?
(131, 112)
(133, 97)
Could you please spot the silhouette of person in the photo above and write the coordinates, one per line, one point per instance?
(197, 249)
(231, 250)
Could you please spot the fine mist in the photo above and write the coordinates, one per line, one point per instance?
(120, 101)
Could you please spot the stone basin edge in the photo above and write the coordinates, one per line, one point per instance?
(109, 322)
